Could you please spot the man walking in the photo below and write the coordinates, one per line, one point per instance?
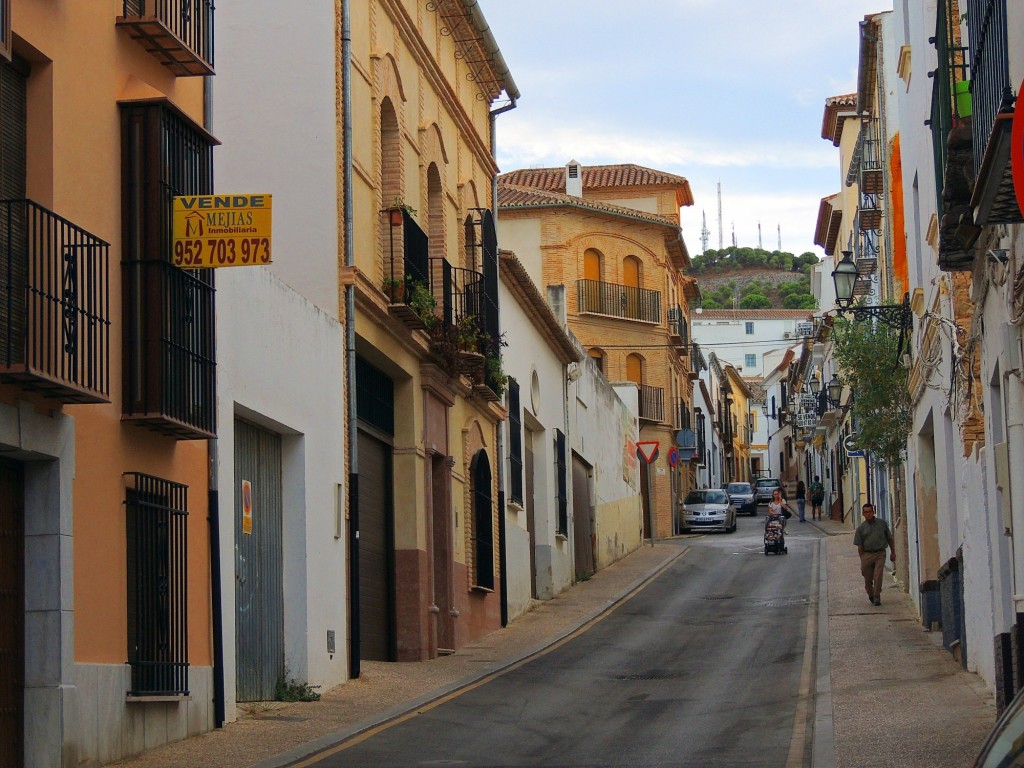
(871, 539)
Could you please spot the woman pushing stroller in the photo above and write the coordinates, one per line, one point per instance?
(775, 525)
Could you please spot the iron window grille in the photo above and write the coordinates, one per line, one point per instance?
(515, 443)
(156, 518)
(169, 359)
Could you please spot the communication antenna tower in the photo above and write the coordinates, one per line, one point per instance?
(733, 234)
(720, 245)
(704, 234)
(760, 246)
(780, 235)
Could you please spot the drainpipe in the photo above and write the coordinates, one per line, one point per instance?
(500, 446)
(350, 345)
(213, 516)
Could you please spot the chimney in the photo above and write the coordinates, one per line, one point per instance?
(573, 179)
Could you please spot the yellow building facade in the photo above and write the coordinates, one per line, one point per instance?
(426, 84)
(610, 235)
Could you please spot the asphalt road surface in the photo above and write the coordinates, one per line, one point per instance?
(710, 664)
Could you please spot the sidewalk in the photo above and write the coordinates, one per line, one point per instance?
(897, 697)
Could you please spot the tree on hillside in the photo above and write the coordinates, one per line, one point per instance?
(755, 301)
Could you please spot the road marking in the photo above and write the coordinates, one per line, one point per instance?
(361, 737)
(803, 718)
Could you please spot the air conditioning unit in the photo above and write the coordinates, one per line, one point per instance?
(787, 335)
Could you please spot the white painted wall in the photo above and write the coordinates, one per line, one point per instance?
(280, 343)
(531, 361)
(285, 372)
(727, 337)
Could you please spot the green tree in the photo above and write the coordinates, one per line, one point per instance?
(710, 303)
(755, 301)
(799, 301)
(866, 353)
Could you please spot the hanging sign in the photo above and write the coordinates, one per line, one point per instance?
(221, 231)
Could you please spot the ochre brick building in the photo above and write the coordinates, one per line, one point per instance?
(610, 235)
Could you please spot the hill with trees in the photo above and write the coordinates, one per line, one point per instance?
(752, 278)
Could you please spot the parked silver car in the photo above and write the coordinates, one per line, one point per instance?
(765, 486)
(707, 510)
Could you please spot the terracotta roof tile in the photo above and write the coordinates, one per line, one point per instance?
(837, 109)
(754, 314)
(599, 176)
(522, 196)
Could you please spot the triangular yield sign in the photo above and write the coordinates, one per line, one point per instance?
(647, 449)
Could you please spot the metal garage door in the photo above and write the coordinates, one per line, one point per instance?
(259, 570)
(376, 629)
(12, 614)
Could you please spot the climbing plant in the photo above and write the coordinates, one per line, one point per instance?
(867, 355)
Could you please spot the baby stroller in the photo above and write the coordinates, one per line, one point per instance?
(775, 535)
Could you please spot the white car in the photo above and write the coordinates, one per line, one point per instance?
(707, 510)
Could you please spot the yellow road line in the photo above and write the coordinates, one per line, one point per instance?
(370, 732)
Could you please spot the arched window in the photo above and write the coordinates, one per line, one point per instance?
(598, 357)
(390, 184)
(631, 269)
(591, 264)
(635, 369)
(483, 520)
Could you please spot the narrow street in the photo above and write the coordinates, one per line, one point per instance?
(710, 664)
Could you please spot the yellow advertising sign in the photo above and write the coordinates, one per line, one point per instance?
(221, 231)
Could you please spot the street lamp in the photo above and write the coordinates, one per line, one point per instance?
(845, 276)
(815, 384)
(896, 316)
(835, 391)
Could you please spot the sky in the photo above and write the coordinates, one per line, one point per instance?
(728, 92)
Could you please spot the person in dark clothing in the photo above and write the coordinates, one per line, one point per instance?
(801, 499)
(871, 538)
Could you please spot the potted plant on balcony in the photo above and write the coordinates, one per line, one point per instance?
(423, 303)
(396, 211)
(394, 287)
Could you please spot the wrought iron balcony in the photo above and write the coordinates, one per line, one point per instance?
(652, 403)
(624, 301)
(177, 32)
(169, 367)
(54, 305)
(679, 330)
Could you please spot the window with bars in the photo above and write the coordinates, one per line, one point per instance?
(169, 361)
(562, 497)
(749, 329)
(749, 361)
(515, 443)
(156, 519)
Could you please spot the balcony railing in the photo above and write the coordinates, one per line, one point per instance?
(54, 305)
(169, 366)
(177, 32)
(652, 403)
(678, 329)
(625, 301)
